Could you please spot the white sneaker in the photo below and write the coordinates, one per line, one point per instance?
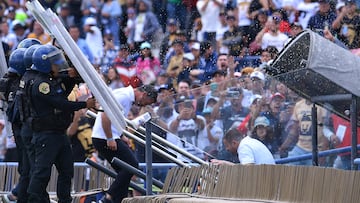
(7, 199)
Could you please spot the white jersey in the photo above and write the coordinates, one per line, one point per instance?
(243, 9)
(210, 16)
(95, 42)
(278, 41)
(124, 96)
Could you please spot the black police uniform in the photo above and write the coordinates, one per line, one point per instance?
(52, 116)
(8, 86)
(22, 100)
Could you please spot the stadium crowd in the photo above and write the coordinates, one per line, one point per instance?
(207, 61)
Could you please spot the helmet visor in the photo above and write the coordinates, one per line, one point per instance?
(58, 58)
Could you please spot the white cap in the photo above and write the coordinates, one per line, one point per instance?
(339, 5)
(254, 97)
(189, 56)
(257, 74)
(196, 45)
(90, 21)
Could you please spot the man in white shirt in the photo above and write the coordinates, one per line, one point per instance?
(94, 39)
(249, 150)
(110, 143)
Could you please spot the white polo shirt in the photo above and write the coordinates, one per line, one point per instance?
(252, 151)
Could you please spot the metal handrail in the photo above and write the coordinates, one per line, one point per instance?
(309, 156)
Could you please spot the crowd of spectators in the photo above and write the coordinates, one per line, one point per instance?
(207, 59)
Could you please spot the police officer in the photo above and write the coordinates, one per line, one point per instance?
(22, 102)
(51, 115)
(8, 87)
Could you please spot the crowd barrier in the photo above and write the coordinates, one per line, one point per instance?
(257, 183)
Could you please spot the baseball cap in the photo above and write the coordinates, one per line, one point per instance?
(196, 83)
(165, 87)
(261, 120)
(90, 21)
(189, 56)
(254, 98)
(195, 45)
(171, 21)
(18, 24)
(279, 95)
(347, 2)
(177, 41)
(324, 1)
(257, 74)
(207, 110)
(145, 45)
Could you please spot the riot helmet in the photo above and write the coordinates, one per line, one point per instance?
(28, 55)
(16, 61)
(47, 55)
(26, 43)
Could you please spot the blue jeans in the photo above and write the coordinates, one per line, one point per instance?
(297, 151)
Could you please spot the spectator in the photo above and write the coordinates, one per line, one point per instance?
(241, 13)
(275, 123)
(79, 132)
(208, 60)
(247, 125)
(176, 9)
(249, 150)
(8, 37)
(183, 88)
(38, 33)
(74, 32)
(147, 66)
(110, 51)
(110, 18)
(214, 133)
(130, 23)
(170, 35)
(232, 113)
(323, 19)
(347, 25)
(89, 8)
(263, 132)
(20, 30)
(295, 29)
(197, 32)
(188, 65)
(220, 33)
(301, 132)
(270, 35)
(258, 84)
(126, 68)
(64, 14)
(146, 25)
(113, 79)
(175, 64)
(255, 27)
(94, 39)
(235, 38)
(190, 128)
(305, 10)
(209, 11)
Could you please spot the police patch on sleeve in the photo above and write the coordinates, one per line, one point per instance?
(44, 88)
